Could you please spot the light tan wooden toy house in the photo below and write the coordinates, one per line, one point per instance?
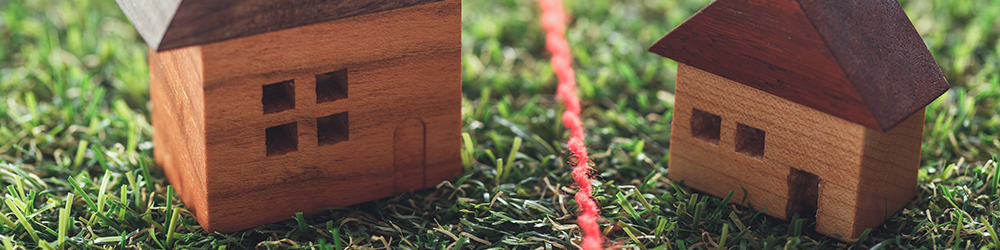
(805, 104)
(265, 108)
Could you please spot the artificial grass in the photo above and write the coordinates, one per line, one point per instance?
(75, 142)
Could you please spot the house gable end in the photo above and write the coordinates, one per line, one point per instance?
(769, 45)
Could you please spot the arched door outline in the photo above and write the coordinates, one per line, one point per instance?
(409, 155)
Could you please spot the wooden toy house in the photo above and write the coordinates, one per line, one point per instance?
(810, 106)
(265, 108)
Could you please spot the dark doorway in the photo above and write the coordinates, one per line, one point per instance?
(803, 193)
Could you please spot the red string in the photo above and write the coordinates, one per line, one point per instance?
(553, 20)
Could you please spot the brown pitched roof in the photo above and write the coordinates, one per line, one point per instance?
(860, 60)
(169, 24)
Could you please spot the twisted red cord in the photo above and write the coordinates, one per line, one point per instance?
(553, 20)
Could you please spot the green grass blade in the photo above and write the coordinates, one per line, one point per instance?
(697, 215)
(80, 150)
(107, 239)
(169, 200)
(45, 245)
(660, 226)
(302, 225)
(629, 230)
(22, 220)
(147, 178)
(7, 243)
(91, 205)
(989, 228)
(627, 206)
(642, 200)
(64, 221)
(722, 238)
(336, 239)
(173, 227)
(510, 158)
(468, 151)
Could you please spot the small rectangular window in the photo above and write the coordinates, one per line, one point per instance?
(282, 139)
(705, 126)
(333, 129)
(279, 97)
(331, 86)
(750, 141)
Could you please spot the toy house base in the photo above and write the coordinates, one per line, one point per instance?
(788, 157)
(255, 129)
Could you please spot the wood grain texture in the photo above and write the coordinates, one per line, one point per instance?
(394, 127)
(875, 77)
(881, 53)
(408, 156)
(178, 117)
(888, 171)
(197, 22)
(401, 65)
(839, 152)
(770, 45)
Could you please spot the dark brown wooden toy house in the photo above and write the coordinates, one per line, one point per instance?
(806, 104)
(265, 108)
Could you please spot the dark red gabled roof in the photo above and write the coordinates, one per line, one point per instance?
(860, 60)
(170, 24)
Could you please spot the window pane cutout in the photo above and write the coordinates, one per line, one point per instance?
(750, 141)
(333, 129)
(331, 86)
(282, 139)
(278, 97)
(705, 126)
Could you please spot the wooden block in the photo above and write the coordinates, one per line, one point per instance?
(178, 118)
(788, 157)
(329, 114)
(170, 24)
(859, 60)
(889, 171)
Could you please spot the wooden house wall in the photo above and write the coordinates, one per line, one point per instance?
(178, 119)
(795, 137)
(402, 65)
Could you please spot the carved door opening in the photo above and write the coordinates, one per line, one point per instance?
(408, 149)
(803, 193)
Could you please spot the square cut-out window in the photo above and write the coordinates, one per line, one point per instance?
(282, 139)
(331, 86)
(279, 97)
(750, 141)
(705, 126)
(332, 129)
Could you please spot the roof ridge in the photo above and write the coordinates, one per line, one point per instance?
(196, 22)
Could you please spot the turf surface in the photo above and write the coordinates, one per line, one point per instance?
(74, 119)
